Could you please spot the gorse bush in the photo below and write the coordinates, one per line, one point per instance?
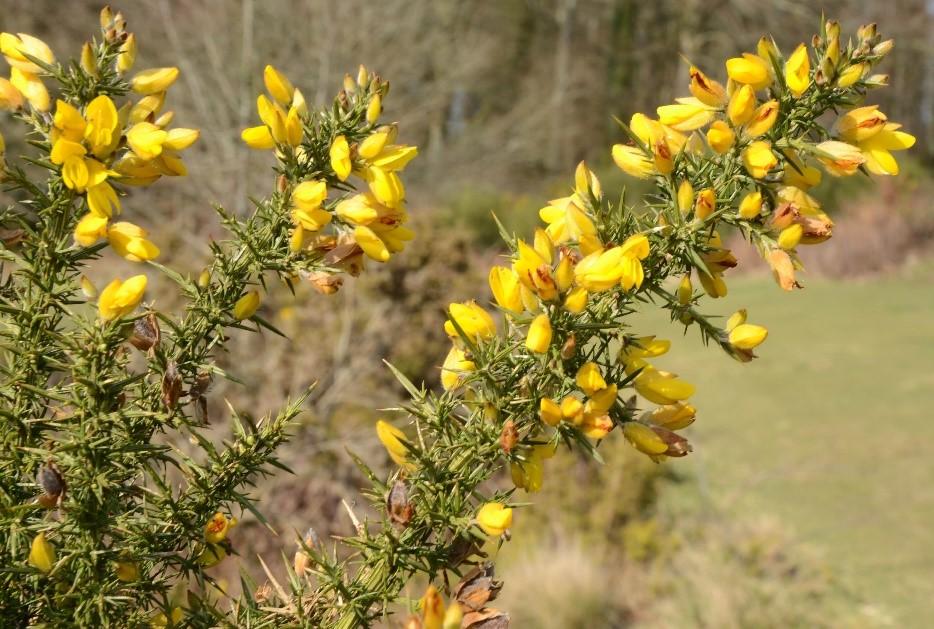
(105, 522)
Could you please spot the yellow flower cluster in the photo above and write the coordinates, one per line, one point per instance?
(745, 122)
(99, 145)
(371, 222)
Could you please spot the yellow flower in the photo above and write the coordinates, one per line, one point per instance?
(797, 71)
(713, 284)
(68, 121)
(673, 416)
(851, 74)
(759, 159)
(278, 86)
(373, 246)
(687, 115)
(861, 123)
(529, 474)
(644, 439)
(586, 182)
(340, 158)
(742, 105)
(644, 347)
(90, 229)
(705, 89)
(567, 222)
(783, 269)
(127, 55)
(394, 441)
(258, 138)
(839, 158)
(539, 336)
(119, 298)
(103, 123)
(146, 139)
(751, 205)
(454, 367)
(749, 70)
(505, 286)
(494, 518)
(747, 336)
(789, 237)
(309, 195)
(31, 87)
(16, 47)
(129, 241)
(589, 379)
(180, 139)
(42, 554)
(799, 174)
(475, 322)
(534, 272)
(685, 291)
(10, 97)
(720, 137)
(706, 203)
(385, 185)
(215, 531)
(633, 161)
(432, 606)
(877, 149)
(247, 305)
(662, 387)
(154, 80)
(685, 196)
(102, 198)
(634, 250)
(572, 409)
(549, 411)
(126, 571)
(762, 119)
(576, 300)
(564, 274)
(600, 271)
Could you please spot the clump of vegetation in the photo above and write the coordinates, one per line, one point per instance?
(105, 521)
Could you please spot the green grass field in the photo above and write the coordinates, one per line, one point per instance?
(829, 429)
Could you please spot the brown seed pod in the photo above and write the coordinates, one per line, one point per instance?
(509, 437)
(171, 386)
(398, 506)
(569, 348)
(486, 619)
(53, 485)
(146, 333)
(477, 588)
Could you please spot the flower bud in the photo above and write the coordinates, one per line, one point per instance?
(246, 306)
(751, 205)
(494, 518)
(685, 196)
(685, 290)
(549, 411)
(374, 109)
(539, 336)
(42, 554)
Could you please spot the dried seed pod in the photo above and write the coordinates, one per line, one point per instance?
(477, 588)
(398, 506)
(302, 560)
(509, 437)
(171, 386)
(146, 333)
(486, 619)
(201, 385)
(325, 283)
(53, 485)
(569, 348)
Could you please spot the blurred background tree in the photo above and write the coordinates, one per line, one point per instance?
(504, 97)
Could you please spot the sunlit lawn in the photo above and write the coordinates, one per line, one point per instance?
(830, 429)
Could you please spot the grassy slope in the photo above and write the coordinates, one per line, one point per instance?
(830, 428)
